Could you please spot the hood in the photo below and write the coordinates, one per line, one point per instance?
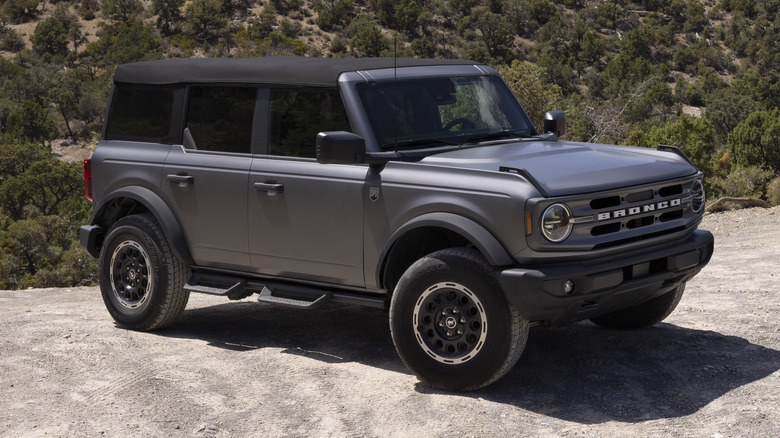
(566, 168)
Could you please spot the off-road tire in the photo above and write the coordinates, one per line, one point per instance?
(141, 279)
(451, 323)
(649, 313)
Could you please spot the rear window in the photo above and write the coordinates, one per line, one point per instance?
(220, 118)
(141, 113)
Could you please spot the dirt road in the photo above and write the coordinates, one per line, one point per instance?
(236, 369)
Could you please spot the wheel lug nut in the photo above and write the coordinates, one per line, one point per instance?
(462, 320)
(455, 310)
(441, 323)
(443, 312)
(449, 332)
(460, 331)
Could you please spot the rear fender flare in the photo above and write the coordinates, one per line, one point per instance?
(157, 208)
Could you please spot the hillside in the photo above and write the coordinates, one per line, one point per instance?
(703, 75)
(616, 66)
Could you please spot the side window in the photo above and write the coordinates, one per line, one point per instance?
(140, 113)
(220, 118)
(297, 116)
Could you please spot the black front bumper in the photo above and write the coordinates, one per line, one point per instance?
(604, 286)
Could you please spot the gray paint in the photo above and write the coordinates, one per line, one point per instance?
(566, 168)
(333, 226)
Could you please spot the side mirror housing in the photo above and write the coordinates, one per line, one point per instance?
(555, 122)
(340, 147)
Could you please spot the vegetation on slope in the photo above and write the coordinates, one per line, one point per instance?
(699, 74)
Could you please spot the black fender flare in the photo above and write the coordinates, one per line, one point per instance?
(476, 234)
(157, 208)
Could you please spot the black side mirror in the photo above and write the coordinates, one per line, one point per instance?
(340, 147)
(555, 122)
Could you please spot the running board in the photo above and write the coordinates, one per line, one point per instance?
(287, 294)
(318, 298)
(231, 287)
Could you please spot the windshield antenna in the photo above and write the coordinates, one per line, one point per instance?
(395, 92)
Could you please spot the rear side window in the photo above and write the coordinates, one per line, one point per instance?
(297, 116)
(141, 113)
(220, 118)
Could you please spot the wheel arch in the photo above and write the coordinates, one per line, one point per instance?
(140, 200)
(431, 232)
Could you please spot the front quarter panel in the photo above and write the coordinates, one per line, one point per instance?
(486, 208)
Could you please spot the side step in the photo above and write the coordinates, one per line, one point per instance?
(286, 294)
(231, 287)
(317, 297)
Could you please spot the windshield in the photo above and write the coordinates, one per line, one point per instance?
(448, 110)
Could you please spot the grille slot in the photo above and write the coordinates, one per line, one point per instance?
(671, 215)
(676, 189)
(601, 230)
(608, 202)
(645, 195)
(640, 222)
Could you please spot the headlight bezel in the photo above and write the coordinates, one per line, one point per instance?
(698, 196)
(548, 221)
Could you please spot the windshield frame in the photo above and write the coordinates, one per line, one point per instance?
(391, 132)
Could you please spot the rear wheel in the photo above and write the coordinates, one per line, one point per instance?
(644, 315)
(141, 280)
(451, 323)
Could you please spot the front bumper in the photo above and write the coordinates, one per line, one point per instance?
(605, 285)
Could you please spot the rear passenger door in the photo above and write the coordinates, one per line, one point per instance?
(205, 180)
(305, 218)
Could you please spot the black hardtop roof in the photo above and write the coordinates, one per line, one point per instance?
(285, 70)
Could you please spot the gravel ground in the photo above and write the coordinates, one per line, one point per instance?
(235, 369)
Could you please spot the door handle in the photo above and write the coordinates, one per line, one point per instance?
(271, 187)
(181, 180)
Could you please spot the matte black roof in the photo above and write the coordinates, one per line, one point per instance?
(287, 70)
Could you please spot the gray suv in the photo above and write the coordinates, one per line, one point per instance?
(418, 186)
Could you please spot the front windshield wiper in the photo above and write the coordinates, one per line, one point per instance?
(504, 133)
(419, 142)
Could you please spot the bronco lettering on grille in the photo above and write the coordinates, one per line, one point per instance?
(631, 211)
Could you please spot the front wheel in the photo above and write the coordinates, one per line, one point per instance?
(452, 325)
(643, 315)
(141, 279)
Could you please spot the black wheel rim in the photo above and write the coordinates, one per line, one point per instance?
(131, 277)
(450, 323)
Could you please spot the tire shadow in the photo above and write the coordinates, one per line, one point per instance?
(579, 373)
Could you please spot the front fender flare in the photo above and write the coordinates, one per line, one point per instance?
(157, 208)
(476, 234)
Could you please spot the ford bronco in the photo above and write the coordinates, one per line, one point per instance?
(418, 186)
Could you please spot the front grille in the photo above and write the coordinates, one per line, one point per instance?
(628, 215)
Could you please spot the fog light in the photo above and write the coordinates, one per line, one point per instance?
(568, 286)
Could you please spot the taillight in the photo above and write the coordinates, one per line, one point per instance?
(88, 178)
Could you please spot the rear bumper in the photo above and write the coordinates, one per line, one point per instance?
(604, 286)
(90, 237)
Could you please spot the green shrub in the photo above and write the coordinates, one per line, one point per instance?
(773, 191)
(756, 141)
(744, 182)
(11, 41)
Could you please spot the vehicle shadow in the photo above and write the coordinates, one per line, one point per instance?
(586, 374)
(334, 333)
(579, 373)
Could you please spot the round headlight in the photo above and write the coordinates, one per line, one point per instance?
(556, 224)
(697, 191)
